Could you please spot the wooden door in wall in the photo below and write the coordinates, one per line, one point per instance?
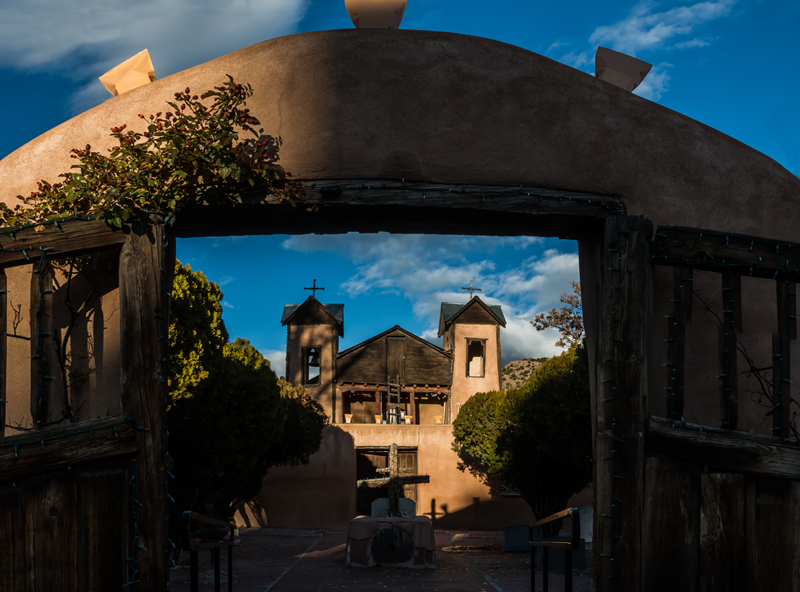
(367, 463)
(368, 460)
(408, 460)
(396, 358)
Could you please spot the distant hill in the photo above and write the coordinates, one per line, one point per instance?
(519, 371)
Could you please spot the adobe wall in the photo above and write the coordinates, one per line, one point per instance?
(322, 494)
(448, 108)
(465, 386)
(95, 350)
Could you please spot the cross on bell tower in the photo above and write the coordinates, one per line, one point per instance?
(471, 289)
(314, 289)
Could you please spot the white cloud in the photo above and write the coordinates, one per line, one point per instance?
(227, 304)
(85, 38)
(225, 280)
(277, 360)
(429, 270)
(692, 43)
(655, 84)
(646, 30)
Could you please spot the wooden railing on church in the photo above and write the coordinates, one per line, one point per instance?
(48, 456)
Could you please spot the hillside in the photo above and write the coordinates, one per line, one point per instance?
(519, 371)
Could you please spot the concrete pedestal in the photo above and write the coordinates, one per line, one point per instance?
(391, 542)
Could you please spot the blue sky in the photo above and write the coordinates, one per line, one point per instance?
(731, 64)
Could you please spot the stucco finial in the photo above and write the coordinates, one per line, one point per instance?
(624, 71)
(133, 72)
(376, 14)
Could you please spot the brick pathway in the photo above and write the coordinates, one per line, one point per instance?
(278, 560)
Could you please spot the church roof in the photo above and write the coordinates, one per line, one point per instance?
(334, 311)
(451, 310)
(396, 328)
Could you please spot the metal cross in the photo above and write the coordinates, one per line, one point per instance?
(471, 289)
(314, 289)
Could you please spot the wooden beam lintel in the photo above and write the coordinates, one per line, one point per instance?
(57, 448)
(731, 451)
(22, 245)
(712, 250)
(528, 200)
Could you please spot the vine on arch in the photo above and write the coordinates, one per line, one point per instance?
(189, 155)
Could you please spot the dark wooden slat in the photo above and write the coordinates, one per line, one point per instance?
(733, 451)
(57, 448)
(672, 526)
(782, 359)
(728, 356)
(43, 360)
(141, 304)
(13, 575)
(773, 537)
(74, 237)
(710, 250)
(621, 388)
(722, 533)
(52, 527)
(676, 360)
(3, 349)
(103, 498)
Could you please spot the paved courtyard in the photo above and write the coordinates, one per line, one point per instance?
(280, 560)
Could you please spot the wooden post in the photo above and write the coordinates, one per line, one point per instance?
(42, 354)
(625, 300)
(141, 303)
(676, 360)
(782, 359)
(411, 406)
(728, 353)
(3, 349)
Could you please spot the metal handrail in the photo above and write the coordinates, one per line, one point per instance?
(568, 546)
(209, 537)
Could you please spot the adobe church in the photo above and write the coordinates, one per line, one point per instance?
(394, 377)
(392, 388)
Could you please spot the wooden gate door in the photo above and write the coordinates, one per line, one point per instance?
(83, 505)
(683, 506)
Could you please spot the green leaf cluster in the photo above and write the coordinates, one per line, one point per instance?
(537, 436)
(191, 154)
(197, 333)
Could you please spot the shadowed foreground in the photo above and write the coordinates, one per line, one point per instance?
(281, 560)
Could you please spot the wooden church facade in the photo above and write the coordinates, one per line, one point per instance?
(394, 377)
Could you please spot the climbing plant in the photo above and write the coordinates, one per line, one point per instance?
(196, 152)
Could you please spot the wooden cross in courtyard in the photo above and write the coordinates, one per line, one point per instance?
(394, 482)
(471, 289)
(314, 289)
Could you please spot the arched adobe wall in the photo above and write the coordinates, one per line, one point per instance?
(450, 108)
